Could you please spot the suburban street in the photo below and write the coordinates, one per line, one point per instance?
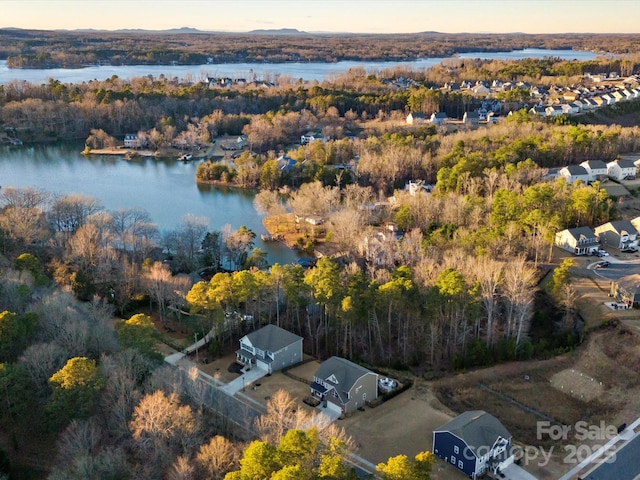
(625, 466)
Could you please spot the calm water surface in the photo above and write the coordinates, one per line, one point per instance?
(165, 188)
(260, 71)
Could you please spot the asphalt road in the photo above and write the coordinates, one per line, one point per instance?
(615, 271)
(625, 466)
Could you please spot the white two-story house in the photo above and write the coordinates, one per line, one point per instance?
(579, 241)
(621, 169)
(596, 169)
(620, 234)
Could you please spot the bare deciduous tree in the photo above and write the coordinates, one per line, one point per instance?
(217, 457)
(519, 279)
(488, 273)
(161, 426)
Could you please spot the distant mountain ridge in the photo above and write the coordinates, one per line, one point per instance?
(277, 31)
(181, 30)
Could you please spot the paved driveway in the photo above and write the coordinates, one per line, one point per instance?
(244, 380)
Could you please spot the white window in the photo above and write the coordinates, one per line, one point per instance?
(453, 460)
(460, 464)
(456, 450)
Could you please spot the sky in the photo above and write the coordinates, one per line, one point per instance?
(355, 16)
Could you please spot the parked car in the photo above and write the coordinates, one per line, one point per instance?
(603, 253)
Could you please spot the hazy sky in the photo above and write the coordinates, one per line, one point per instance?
(378, 16)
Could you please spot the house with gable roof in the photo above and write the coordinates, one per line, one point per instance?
(270, 348)
(621, 169)
(344, 386)
(626, 290)
(580, 240)
(471, 118)
(596, 169)
(620, 234)
(311, 137)
(573, 173)
(439, 118)
(131, 140)
(475, 442)
(285, 163)
(415, 118)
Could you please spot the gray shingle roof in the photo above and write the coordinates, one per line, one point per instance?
(346, 373)
(579, 232)
(477, 428)
(595, 164)
(272, 338)
(623, 226)
(623, 163)
(576, 170)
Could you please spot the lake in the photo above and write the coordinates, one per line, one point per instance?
(165, 188)
(260, 71)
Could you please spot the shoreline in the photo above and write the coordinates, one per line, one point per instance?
(129, 153)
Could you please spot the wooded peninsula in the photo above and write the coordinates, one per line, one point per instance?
(74, 49)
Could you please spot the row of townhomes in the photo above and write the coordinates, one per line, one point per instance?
(474, 442)
(590, 171)
(602, 91)
(621, 235)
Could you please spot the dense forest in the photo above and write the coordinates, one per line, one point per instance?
(428, 283)
(54, 49)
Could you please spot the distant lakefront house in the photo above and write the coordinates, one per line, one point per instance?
(580, 240)
(415, 118)
(474, 442)
(131, 140)
(286, 163)
(596, 169)
(344, 386)
(621, 169)
(620, 234)
(573, 173)
(270, 348)
(311, 137)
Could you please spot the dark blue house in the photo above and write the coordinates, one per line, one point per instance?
(474, 442)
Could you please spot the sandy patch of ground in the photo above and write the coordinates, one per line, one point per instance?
(577, 384)
(402, 425)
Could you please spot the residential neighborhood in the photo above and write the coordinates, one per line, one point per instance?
(361, 248)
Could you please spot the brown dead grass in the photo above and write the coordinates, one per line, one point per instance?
(609, 355)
